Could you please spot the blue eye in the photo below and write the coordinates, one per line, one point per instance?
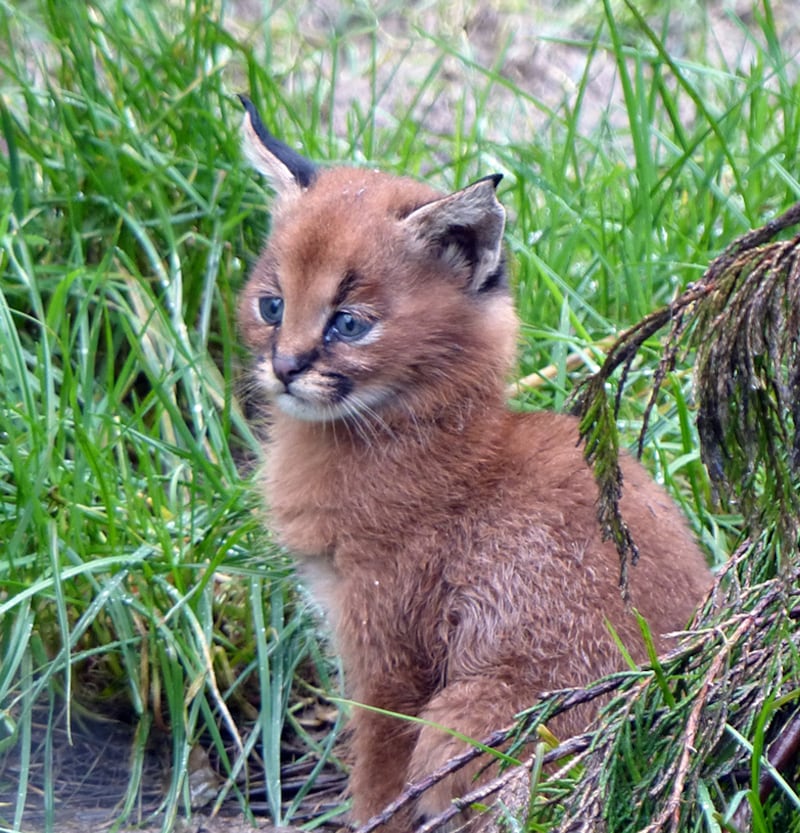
(271, 309)
(347, 327)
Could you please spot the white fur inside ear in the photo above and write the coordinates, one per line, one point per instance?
(266, 163)
(465, 228)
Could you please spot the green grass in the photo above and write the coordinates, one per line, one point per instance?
(135, 575)
(132, 545)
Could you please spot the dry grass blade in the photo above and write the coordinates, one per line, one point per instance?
(743, 317)
(748, 379)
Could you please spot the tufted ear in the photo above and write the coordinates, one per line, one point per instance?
(465, 230)
(287, 171)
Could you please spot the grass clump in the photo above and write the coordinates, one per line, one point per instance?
(135, 578)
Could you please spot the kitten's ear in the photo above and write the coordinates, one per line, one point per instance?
(466, 230)
(288, 172)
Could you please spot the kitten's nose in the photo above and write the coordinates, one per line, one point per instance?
(288, 367)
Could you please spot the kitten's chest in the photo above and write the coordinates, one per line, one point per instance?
(319, 496)
(323, 492)
(306, 513)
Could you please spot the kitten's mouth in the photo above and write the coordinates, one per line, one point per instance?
(300, 407)
(320, 397)
(293, 401)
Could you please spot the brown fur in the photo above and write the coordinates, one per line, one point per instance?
(454, 544)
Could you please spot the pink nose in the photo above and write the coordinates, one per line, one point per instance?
(286, 368)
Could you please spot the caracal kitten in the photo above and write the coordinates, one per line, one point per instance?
(453, 543)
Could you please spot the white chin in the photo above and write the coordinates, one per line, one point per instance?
(307, 411)
(302, 409)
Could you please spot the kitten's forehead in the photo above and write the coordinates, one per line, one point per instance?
(347, 207)
(368, 191)
(346, 224)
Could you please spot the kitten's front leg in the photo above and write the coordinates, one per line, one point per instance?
(473, 707)
(382, 747)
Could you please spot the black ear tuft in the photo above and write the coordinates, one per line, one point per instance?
(303, 171)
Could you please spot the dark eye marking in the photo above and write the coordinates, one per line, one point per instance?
(349, 283)
(345, 326)
(270, 307)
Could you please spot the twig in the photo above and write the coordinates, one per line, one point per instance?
(458, 805)
(572, 697)
(672, 808)
(759, 236)
(570, 747)
(598, 430)
(629, 342)
(579, 743)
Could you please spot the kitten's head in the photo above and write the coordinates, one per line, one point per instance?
(375, 294)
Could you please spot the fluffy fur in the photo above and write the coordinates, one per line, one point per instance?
(453, 543)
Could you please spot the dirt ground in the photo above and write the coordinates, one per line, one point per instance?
(536, 46)
(219, 824)
(199, 824)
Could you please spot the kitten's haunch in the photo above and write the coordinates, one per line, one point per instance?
(454, 544)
